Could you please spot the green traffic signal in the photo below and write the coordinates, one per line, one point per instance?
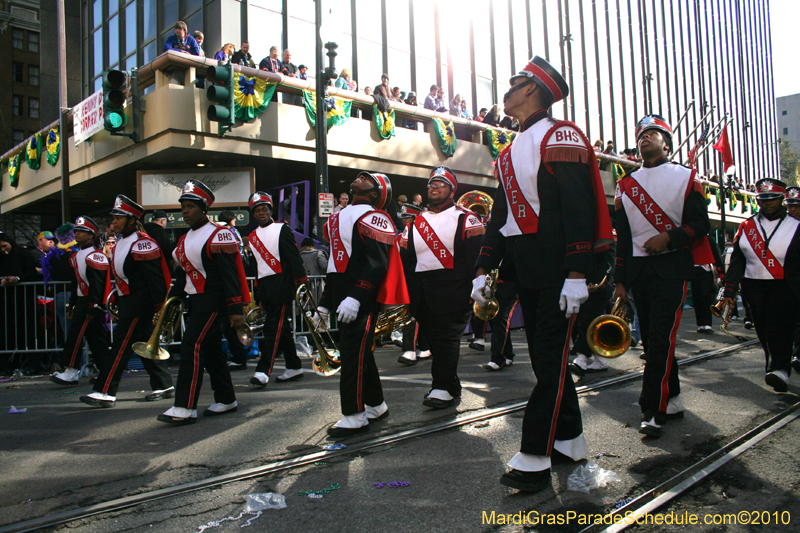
(114, 97)
(220, 94)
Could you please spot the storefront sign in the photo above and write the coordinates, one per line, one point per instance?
(161, 189)
(175, 220)
(88, 117)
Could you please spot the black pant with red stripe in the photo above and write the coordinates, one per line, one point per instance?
(659, 303)
(360, 384)
(502, 347)
(89, 326)
(443, 333)
(201, 349)
(552, 412)
(703, 295)
(128, 331)
(774, 307)
(413, 338)
(278, 338)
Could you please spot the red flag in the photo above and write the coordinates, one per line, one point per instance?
(393, 290)
(724, 147)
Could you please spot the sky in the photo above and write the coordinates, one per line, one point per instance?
(783, 23)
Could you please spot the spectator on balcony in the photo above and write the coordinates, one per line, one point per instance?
(383, 89)
(481, 114)
(181, 41)
(398, 94)
(430, 100)
(271, 63)
(243, 57)
(492, 117)
(441, 101)
(509, 123)
(412, 101)
(345, 80)
(302, 72)
(289, 69)
(225, 53)
(455, 106)
(199, 38)
(343, 199)
(464, 111)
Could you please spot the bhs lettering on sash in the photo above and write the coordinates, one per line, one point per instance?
(567, 136)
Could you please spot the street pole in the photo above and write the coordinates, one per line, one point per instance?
(324, 75)
(722, 195)
(63, 113)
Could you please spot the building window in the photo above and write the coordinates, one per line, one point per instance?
(33, 107)
(16, 72)
(33, 41)
(786, 131)
(18, 136)
(16, 105)
(33, 75)
(783, 113)
(16, 38)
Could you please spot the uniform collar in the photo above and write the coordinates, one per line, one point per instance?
(267, 225)
(533, 119)
(657, 163)
(90, 245)
(779, 215)
(200, 223)
(129, 231)
(444, 207)
(361, 201)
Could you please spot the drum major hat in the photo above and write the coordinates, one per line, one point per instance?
(85, 223)
(260, 198)
(446, 175)
(792, 196)
(124, 206)
(545, 76)
(197, 191)
(383, 185)
(770, 189)
(654, 122)
(410, 210)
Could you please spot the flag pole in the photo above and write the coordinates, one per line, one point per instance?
(716, 134)
(702, 121)
(678, 124)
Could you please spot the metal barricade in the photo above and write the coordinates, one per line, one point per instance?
(34, 317)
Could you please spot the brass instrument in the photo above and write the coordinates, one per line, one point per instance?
(610, 335)
(478, 202)
(594, 287)
(391, 320)
(111, 306)
(254, 322)
(490, 309)
(725, 312)
(328, 361)
(166, 322)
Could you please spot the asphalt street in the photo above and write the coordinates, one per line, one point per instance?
(62, 455)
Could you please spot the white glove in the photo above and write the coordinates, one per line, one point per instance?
(478, 286)
(321, 315)
(348, 310)
(573, 294)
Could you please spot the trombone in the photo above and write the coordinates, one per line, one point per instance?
(610, 335)
(328, 361)
(166, 321)
(253, 324)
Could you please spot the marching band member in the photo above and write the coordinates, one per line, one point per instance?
(142, 278)
(549, 213)
(361, 236)
(411, 333)
(212, 275)
(280, 272)
(662, 223)
(792, 203)
(86, 318)
(443, 244)
(766, 259)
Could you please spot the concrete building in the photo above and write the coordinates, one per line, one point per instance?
(788, 109)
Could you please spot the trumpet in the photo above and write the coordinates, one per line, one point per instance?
(166, 321)
(253, 324)
(610, 335)
(328, 361)
(391, 320)
(490, 309)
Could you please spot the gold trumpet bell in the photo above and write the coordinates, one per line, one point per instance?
(486, 312)
(327, 366)
(609, 335)
(148, 351)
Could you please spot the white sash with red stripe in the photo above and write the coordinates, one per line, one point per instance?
(653, 199)
(434, 239)
(189, 254)
(266, 243)
(762, 261)
(339, 232)
(87, 258)
(518, 169)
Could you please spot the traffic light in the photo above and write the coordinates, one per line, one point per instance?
(220, 93)
(114, 96)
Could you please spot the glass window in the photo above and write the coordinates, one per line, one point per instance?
(97, 13)
(302, 43)
(398, 30)
(400, 69)
(33, 41)
(272, 5)
(191, 7)
(98, 84)
(16, 38)
(307, 9)
(783, 113)
(33, 107)
(484, 98)
(424, 33)
(502, 41)
(370, 59)
(426, 76)
(16, 105)
(113, 7)
(264, 30)
(19, 136)
(369, 21)
(519, 20)
(128, 63)
(113, 40)
(462, 84)
(98, 51)
(33, 75)
(169, 14)
(130, 28)
(195, 22)
(16, 72)
(149, 53)
(483, 42)
(786, 131)
(149, 19)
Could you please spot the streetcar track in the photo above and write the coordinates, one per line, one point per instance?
(126, 502)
